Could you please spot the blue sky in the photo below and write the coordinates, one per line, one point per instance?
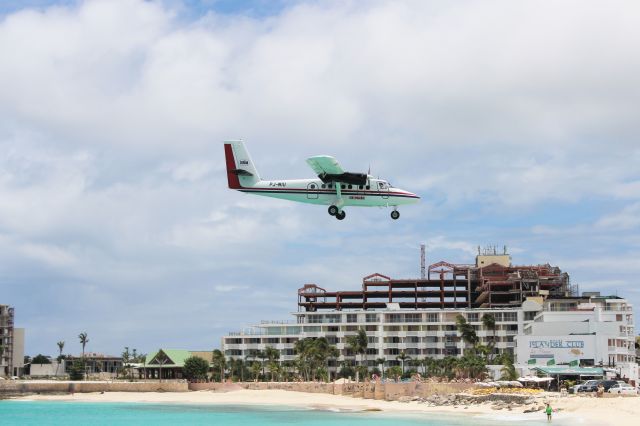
(517, 124)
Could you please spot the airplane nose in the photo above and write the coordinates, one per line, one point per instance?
(411, 195)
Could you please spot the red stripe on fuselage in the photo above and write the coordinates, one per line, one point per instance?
(234, 182)
(331, 192)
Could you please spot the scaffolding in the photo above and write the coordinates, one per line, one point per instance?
(446, 285)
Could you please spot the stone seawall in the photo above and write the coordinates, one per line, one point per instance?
(370, 390)
(25, 387)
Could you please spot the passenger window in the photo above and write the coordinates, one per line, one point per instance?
(359, 186)
(323, 186)
(342, 186)
(350, 187)
(330, 186)
(368, 187)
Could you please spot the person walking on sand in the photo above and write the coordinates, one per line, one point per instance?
(549, 411)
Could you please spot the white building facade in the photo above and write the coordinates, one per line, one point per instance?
(592, 330)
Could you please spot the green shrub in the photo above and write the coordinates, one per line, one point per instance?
(195, 368)
(76, 372)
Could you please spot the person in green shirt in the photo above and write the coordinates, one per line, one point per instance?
(549, 411)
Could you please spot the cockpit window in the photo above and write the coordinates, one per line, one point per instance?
(382, 185)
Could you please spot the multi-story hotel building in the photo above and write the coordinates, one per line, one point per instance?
(11, 344)
(418, 317)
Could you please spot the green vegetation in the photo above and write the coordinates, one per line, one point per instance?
(219, 364)
(195, 368)
(358, 344)
(60, 349)
(508, 370)
(313, 356)
(76, 372)
(40, 359)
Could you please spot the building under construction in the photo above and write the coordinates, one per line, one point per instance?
(492, 282)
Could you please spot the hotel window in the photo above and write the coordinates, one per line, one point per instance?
(371, 318)
(333, 318)
(472, 317)
(394, 318)
(413, 318)
(510, 316)
(352, 317)
(432, 317)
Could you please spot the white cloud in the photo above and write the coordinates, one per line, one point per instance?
(628, 218)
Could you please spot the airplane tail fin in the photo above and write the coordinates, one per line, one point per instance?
(241, 173)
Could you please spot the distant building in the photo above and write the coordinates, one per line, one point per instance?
(169, 363)
(96, 363)
(11, 344)
(592, 330)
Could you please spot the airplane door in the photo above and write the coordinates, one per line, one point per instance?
(312, 191)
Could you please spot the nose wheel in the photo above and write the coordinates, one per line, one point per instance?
(341, 215)
(395, 215)
(333, 210)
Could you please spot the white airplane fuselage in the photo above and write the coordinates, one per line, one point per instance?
(377, 192)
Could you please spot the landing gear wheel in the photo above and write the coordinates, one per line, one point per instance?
(395, 215)
(333, 210)
(341, 215)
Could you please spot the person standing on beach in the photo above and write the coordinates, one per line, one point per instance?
(549, 411)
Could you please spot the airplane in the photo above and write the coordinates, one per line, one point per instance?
(333, 187)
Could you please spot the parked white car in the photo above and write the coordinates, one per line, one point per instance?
(623, 388)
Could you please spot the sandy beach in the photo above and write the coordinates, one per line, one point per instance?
(572, 409)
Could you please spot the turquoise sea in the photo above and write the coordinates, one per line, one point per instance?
(95, 414)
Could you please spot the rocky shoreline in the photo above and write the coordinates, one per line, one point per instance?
(496, 401)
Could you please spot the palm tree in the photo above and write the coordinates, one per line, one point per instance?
(508, 370)
(263, 356)
(219, 361)
(331, 352)
(380, 362)
(273, 355)
(60, 348)
(255, 370)
(467, 332)
(143, 359)
(358, 344)
(489, 322)
(402, 358)
(431, 366)
(83, 341)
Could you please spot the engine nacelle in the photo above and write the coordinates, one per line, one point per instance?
(346, 177)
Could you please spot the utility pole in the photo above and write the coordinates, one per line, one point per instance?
(423, 261)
